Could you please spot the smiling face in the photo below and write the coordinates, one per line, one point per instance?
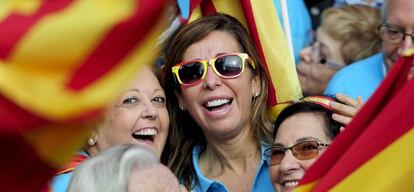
(313, 75)
(221, 107)
(297, 128)
(139, 116)
(400, 14)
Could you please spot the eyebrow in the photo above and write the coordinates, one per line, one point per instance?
(302, 139)
(154, 91)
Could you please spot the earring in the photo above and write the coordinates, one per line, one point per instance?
(181, 106)
(256, 94)
(92, 139)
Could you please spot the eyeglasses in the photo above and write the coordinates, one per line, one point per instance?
(393, 34)
(227, 66)
(319, 57)
(301, 151)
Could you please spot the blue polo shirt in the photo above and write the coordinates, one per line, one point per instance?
(262, 181)
(361, 78)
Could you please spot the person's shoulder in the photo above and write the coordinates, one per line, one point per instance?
(60, 183)
(361, 67)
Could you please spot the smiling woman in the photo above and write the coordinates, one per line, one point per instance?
(139, 116)
(217, 91)
(302, 132)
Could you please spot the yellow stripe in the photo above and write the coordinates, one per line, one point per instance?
(25, 7)
(280, 63)
(56, 144)
(232, 8)
(390, 170)
(42, 89)
(196, 14)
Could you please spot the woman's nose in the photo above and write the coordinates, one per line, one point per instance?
(150, 111)
(289, 163)
(212, 80)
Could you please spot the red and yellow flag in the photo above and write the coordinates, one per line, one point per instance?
(61, 63)
(374, 153)
(261, 19)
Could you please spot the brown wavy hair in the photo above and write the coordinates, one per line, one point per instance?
(185, 133)
(355, 26)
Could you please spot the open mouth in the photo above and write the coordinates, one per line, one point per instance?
(290, 183)
(145, 134)
(217, 104)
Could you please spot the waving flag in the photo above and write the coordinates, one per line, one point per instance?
(61, 63)
(374, 153)
(261, 19)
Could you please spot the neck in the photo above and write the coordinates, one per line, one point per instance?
(237, 154)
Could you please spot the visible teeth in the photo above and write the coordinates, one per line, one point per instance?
(152, 132)
(291, 183)
(217, 102)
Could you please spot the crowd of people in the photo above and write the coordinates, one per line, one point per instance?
(200, 123)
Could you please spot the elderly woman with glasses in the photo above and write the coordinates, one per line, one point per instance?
(347, 34)
(301, 133)
(216, 89)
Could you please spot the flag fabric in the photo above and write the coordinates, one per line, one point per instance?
(261, 19)
(374, 151)
(61, 63)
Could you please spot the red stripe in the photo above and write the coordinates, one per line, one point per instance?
(21, 168)
(193, 5)
(248, 12)
(207, 8)
(119, 42)
(375, 127)
(16, 25)
(14, 119)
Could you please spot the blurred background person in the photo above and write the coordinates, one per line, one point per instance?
(347, 34)
(139, 116)
(396, 32)
(129, 168)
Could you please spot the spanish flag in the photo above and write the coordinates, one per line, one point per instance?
(374, 153)
(61, 63)
(261, 19)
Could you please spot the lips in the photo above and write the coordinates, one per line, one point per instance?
(288, 185)
(217, 103)
(145, 134)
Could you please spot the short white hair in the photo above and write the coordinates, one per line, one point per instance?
(111, 169)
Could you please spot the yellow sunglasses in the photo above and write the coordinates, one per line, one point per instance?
(230, 65)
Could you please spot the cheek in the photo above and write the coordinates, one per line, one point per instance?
(306, 164)
(274, 173)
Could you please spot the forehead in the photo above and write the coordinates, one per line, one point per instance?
(401, 13)
(216, 42)
(301, 125)
(145, 80)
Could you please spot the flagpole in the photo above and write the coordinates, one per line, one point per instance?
(286, 26)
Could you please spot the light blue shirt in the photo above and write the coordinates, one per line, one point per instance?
(261, 183)
(60, 183)
(361, 78)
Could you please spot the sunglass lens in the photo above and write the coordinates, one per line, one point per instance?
(229, 66)
(306, 150)
(276, 156)
(191, 72)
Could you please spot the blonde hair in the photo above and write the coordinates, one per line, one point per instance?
(355, 26)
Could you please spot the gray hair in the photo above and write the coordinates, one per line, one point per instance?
(111, 169)
(384, 11)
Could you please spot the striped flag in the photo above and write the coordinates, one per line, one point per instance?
(374, 153)
(261, 19)
(61, 63)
